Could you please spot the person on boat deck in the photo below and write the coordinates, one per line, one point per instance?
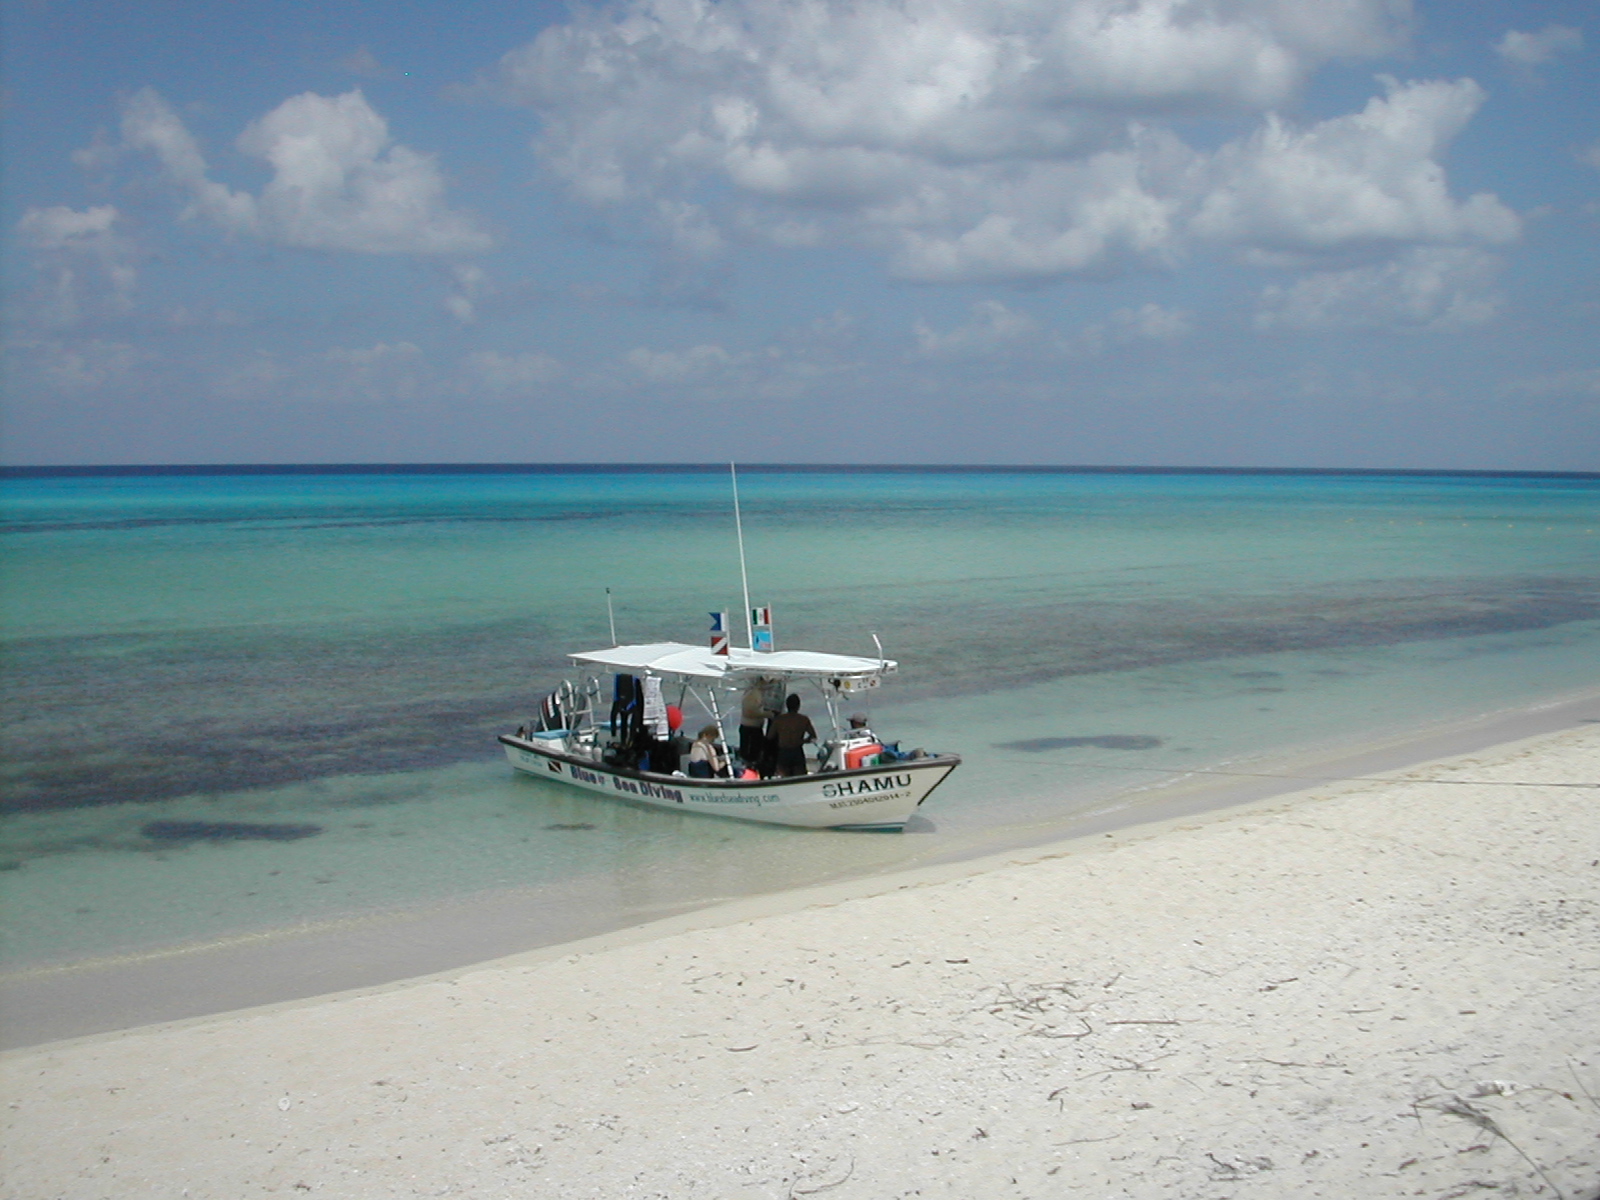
(754, 709)
(790, 731)
(858, 729)
(706, 759)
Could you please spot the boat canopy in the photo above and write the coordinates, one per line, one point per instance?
(679, 658)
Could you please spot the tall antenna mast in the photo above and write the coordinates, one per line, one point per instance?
(744, 578)
(612, 617)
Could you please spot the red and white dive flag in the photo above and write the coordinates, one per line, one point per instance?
(719, 633)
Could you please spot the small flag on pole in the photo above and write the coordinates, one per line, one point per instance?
(719, 633)
(761, 629)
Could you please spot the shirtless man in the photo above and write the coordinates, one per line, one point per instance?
(790, 731)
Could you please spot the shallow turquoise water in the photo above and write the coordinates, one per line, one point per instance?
(341, 650)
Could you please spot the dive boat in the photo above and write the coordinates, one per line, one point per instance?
(620, 739)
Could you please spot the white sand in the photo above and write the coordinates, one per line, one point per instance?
(1362, 991)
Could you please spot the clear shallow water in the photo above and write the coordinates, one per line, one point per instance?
(340, 651)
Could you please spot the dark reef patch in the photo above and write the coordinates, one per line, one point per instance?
(574, 825)
(135, 717)
(1104, 741)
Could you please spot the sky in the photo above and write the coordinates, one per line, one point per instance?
(1251, 233)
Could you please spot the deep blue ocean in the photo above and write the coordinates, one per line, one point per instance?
(336, 652)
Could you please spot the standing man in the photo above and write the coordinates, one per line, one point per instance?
(790, 731)
(753, 714)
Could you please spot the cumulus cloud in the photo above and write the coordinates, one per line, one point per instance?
(673, 366)
(384, 372)
(1370, 177)
(1147, 323)
(339, 182)
(524, 373)
(80, 365)
(798, 364)
(993, 326)
(1584, 381)
(1429, 288)
(362, 61)
(469, 282)
(67, 242)
(968, 140)
(1528, 50)
(993, 329)
(62, 228)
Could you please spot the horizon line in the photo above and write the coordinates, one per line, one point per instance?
(597, 468)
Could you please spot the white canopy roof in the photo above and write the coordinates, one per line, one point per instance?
(679, 658)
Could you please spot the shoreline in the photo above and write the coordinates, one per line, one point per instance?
(1380, 988)
(294, 965)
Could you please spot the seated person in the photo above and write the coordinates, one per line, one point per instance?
(706, 758)
(788, 732)
(856, 734)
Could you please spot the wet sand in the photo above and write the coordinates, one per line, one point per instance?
(1365, 989)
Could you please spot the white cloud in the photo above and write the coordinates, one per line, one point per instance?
(780, 372)
(1149, 322)
(1431, 288)
(65, 240)
(84, 365)
(510, 373)
(149, 124)
(993, 326)
(673, 366)
(338, 183)
(62, 228)
(994, 329)
(1044, 221)
(367, 358)
(382, 373)
(261, 376)
(1584, 381)
(1370, 177)
(1535, 49)
(362, 61)
(966, 139)
(470, 281)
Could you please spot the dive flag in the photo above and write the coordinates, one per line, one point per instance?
(719, 633)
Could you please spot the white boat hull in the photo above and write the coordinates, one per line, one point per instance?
(873, 798)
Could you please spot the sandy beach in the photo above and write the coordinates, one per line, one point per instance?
(1365, 989)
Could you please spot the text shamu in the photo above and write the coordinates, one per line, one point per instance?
(861, 787)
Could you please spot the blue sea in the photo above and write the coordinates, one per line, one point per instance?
(337, 651)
